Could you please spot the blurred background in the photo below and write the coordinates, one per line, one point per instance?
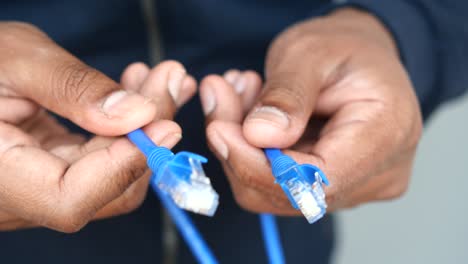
(430, 223)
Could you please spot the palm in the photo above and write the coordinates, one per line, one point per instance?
(37, 133)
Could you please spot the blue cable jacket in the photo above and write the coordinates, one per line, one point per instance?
(272, 153)
(187, 229)
(142, 141)
(270, 232)
(271, 239)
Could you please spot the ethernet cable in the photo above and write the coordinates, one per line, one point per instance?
(271, 239)
(187, 229)
(302, 184)
(179, 175)
(180, 182)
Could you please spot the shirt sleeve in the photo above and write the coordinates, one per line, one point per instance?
(432, 37)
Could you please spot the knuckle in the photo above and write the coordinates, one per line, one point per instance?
(291, 38)
(290, 96)
(417, 131)
(407, 132)
(12, 29)
(20, 25)
(395, 191)
(245, 201)
(73, 81)
(211, 79)
(131, 173)
(70, 228)
(23, 37)
(131, 201)
(69, 220)
(333, 200)
(310, 43)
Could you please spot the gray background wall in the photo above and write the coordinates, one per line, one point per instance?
(430, 223)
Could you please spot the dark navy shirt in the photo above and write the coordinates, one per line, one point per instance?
(210, 36)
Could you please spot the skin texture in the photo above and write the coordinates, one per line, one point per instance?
(335, 95)
(53, 178)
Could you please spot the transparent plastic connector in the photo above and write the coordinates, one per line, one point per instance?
(303, 184)
(310, 199)
(185, 181)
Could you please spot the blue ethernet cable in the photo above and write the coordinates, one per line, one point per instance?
(179, 182)
(303, 185)
(271, 238)
(179, 175)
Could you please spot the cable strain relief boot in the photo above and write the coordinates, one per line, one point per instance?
(281, 164)
(157, 158)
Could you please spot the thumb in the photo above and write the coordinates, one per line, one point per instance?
(284, 107)
(47, 74)
(88, 98)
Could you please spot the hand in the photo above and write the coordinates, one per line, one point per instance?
(336, 96)
(53, 178)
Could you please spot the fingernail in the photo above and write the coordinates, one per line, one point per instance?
(115, 101)
(174, 83)
(140, 76)
(219, 145)
(240, 84)
(208, 101)
(231, 76)
(271, 115)
(171, 140)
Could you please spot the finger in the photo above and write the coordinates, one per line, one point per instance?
(369, 140)
(248, 163)
(253, 84)
(47, 74)
(286, 103)
(164, 84)
(22, 109)
(390, 184)
(189, 87)
(7, 217)
(170, 135)
(247, 170)
(247, 84)
(65, 197)
(257, 201)
(240, 160)
(134, 195)
(16, 224)
(130, 200)
(51, 135)
(42, 127)
(219, 100)
(134, 75)
(12, 222)
(231, 77)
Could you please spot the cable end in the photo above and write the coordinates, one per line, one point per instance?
(303, 185)
(185, 181)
